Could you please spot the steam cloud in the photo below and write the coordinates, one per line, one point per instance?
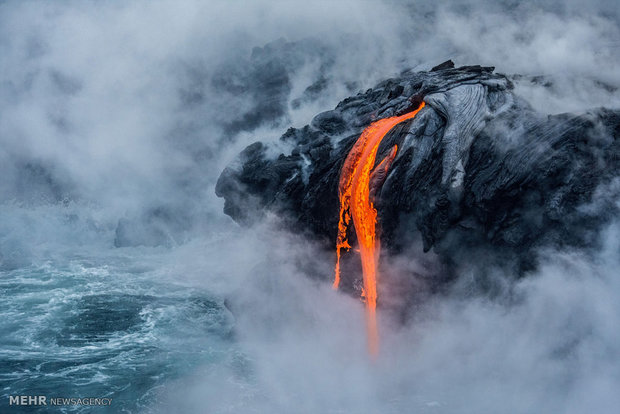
(116, 119)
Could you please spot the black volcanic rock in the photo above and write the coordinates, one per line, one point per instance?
(479, 175)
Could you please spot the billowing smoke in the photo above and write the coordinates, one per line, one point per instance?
(116, 118)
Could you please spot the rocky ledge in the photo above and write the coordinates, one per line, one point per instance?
(480, 177)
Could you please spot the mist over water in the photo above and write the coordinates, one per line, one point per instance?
(120, 276)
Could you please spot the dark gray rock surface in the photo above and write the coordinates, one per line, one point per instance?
(479, 176)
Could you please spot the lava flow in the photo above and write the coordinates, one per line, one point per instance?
(357, 179)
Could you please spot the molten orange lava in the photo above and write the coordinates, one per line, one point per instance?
(357, 178)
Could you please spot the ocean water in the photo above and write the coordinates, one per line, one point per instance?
(105, 327)
(82, 318)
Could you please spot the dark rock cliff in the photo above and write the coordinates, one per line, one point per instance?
(479, 176)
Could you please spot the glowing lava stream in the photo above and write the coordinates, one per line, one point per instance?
(356, 202)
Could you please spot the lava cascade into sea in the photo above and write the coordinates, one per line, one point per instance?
(357, 203)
